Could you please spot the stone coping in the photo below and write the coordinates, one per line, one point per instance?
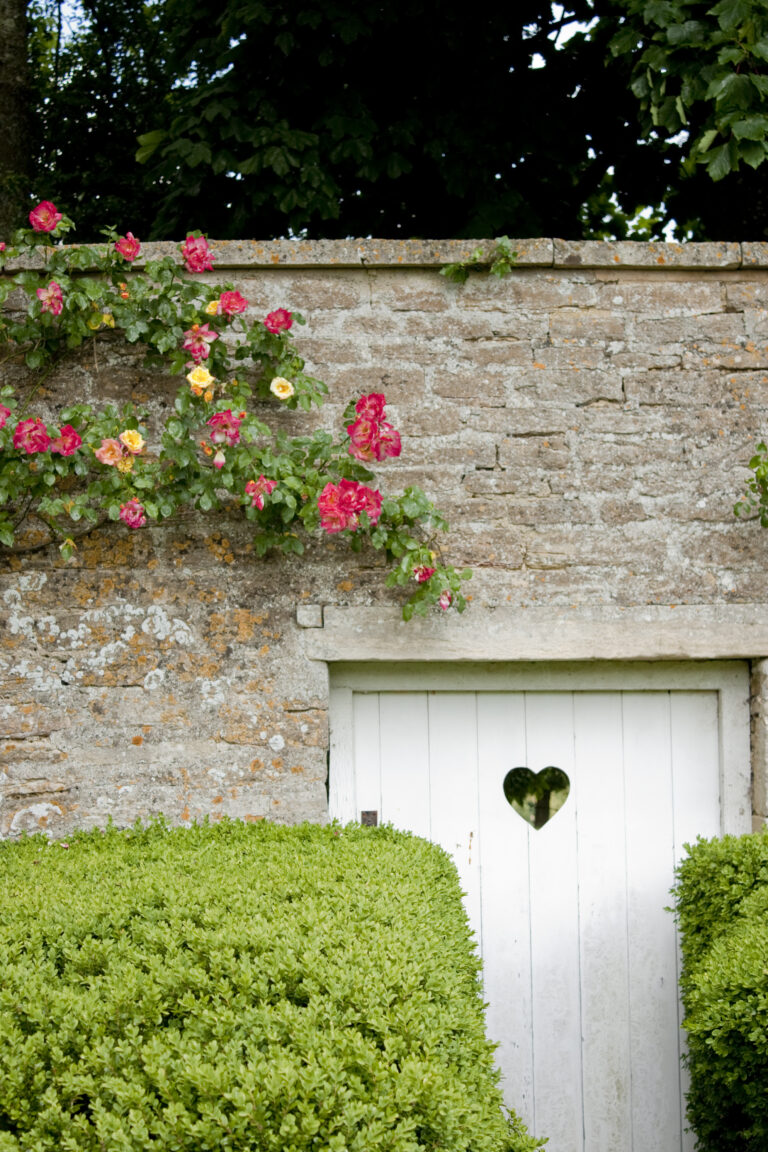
(231, 255)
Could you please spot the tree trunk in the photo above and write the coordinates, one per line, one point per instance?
(14, 104)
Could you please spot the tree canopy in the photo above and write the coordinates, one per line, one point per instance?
(332, 118)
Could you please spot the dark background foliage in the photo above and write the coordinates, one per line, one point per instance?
(426, 118)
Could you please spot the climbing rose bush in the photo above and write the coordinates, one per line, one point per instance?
(64, 476)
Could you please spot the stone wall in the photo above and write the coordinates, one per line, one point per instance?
(584, 424)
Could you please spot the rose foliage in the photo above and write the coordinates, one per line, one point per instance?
(213, 451)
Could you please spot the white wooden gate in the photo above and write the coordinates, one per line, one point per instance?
(579, 954)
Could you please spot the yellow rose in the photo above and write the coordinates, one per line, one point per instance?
(200, 380)
(132, 439)
(212, 308)
(124, 464)
(282, 388)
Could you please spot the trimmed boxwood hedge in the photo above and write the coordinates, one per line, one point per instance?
(241, 987)
(722, 908)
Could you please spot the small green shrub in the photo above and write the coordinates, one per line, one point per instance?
(722, 907)
(241, 987)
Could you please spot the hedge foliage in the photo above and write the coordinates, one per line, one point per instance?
(241, 987)
(722, 908)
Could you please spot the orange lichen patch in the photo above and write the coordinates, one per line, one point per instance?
(98, 551)
(297, 769)
(345, 585)
(220, 547)
(217, 815)
(185, 812)
(193, 666)
(137, 740)
(146, 728)
(233, 792)
(218, 800)
(238, 626)
(256, 765)
(538, 364)
(277, 764)
(250, 819)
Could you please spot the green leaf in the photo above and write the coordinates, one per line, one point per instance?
(750, 128)
(719, 164)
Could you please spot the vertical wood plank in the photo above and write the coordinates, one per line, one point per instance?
(506, 904)
(454, 791)
(367, 743)
(656, 1106)
(404, 744)
(342, 768)
(555, 933)
(696, 791)
(599, 769)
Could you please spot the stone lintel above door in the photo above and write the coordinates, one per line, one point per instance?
(648, 632)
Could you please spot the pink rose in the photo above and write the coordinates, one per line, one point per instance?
(219, 459)
(110, 452)
(31, 436)
(445, 600)
(258, 489)
(340, 505)
(45, 218)
(197, 340)
(198, 257)
(364, 437)
(4, 414)
(51, 298)
(422, 573)
(389, 441)
(133, 514)
(230, 303)
(225, 428)
(128, 247)
(2, 245)
(278, 321)
(371, 407)
(67, 442)
(371, 438)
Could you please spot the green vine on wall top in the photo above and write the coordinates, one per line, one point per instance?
(212, 453)
(499, 261)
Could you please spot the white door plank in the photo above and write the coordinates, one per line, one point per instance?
(506, 905)
(696, 791)
(656, 1106)
(367, 750)
(599, 767)
(454, 791)
(343, 760)
(555, 933)
(404, 745)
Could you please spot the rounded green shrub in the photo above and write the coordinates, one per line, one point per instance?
(241, 987)
(727, 1023)
(722, 909)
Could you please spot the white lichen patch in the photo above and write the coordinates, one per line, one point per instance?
(158, 623)
(35, 818)
(153, 679)
(213, 692)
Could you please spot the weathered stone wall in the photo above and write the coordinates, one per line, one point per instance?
(584, 424)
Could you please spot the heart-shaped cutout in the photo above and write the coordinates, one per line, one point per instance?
(536, 796)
